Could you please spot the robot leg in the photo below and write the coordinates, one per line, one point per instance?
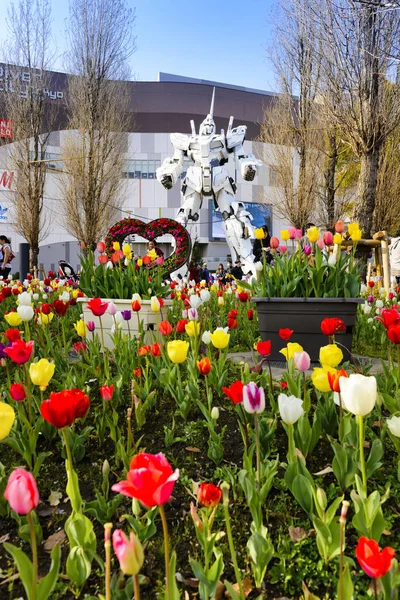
(238, 230)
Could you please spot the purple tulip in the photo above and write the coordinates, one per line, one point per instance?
(126, 315)
(370, 299)
(2, 353)
(307, 250)
(253, 398)
(91, 326)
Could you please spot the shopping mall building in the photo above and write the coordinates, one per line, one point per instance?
(158, 108)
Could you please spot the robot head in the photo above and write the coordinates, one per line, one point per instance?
(208, 126)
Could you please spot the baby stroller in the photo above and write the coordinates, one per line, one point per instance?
(66, 271)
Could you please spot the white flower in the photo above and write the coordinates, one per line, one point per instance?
(370, 320)
(205, 338)
(377, 311)
(109, 265)
(25, 299)
(379, 304)
(332, 260)
(359, 393)
(258, 266)
(25, 312)
(195, 301)
(394, 426)
(64, 296)
(35, 297)
(228, 290)
(44, 296)
(253, 398)
(291, 408)
(221, 301)
(184, 313)
(363, 288)
(366, 308)
(205, 295)
(136, 297)
(215, 413)
(118, 317)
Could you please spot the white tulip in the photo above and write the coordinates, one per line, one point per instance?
(379, 304)
(206, 338)
(35, 297)
(221, 301)
(44, 296)
(290, 408)
(215, 413)
(332, 260)
(25, 299)
(358, 393)
(65, 297)
(118, 317)
(366, 308)
(363, 288)
(25, 312)
(258, 266)
(195, 301)
(229, 291)
(136, 297)
(205, 295)
(109, 265)
(370, 320)
(394, 426)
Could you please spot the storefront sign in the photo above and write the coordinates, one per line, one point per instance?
(19, 79)
(5, 128)
(6, 179)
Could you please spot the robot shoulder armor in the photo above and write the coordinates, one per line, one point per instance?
(179, 141)
(236, 136)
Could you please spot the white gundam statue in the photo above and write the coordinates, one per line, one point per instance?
(207, 177)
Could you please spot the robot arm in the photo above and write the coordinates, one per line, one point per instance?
(248, 162)
(171, 168)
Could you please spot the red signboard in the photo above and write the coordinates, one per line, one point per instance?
(5, 128)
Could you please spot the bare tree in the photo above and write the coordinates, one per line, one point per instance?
(100, 45)
(387, 207)
(32, 111)
(359, 43)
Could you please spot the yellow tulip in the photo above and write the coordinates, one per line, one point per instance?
(330, 355)
(220, 339)
(126, 249)
(192, 328)
(139, 262)
(285, 235)
(46, 319)
(319, 378)
(356, 235)
(116, 246)
(337, 238)
(259, 233)
(352, 228)
(152, 254)
(75, 293)
(291, 348)
(41, 372)
(81, 328)
(221, 301)
(313, 234)
(13, 319)
(177, 351)
(154, 304)
(7, 418)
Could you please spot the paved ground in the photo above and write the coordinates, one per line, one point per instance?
(279, 367)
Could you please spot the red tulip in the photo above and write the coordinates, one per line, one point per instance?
(136, 306)
(19, 351)
(150, 480)
(209, 494)
(79, 347)
(371, 284)
(330, 326)
(285, 334)
(393, 333)
(106, 392)
(156, 350)
(264, 348)
(243, 296)
(97, 306)
(232, 314)
(17, 392)
(165, 328)
(144, 350)
(137, 372)
(60, 308)
(45, 308)
(235, 392)
(204, 366)
(21, 492)
(101, 247)
(250, 314)
(232, 324)
(103, 259)
(180, 326)
(274, 242)
(333, 379)
(374, 562)
(62, 408)
(284, 385)
(13, 334)
(328, 238)
(389, 316)
(7, 292)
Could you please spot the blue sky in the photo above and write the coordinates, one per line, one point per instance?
(217, 40)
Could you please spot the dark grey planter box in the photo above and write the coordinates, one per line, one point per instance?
(304, 316)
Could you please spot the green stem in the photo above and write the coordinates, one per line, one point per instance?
(27, 331)
(64, 340)
(292, 447)
(398, 360)
(225, 493)
(361, 447)
(375, 586)
(28, 393)
(166, 552)
(306, 407)
(136, 587)
(34, 555)
(341, 424)
(106, 371)
(258, 460)
(107, 548)
(67, 448)
(246, 433)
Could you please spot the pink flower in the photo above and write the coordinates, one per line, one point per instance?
(159, 260)
(302, 361)
(328, 238)
(292, 232)
(307, 250)
(21, 492)
(299, 234)
(129, 552)
(320, 243)
(253, 398)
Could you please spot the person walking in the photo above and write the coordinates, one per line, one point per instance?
(205, 274)
(220, 274)
(6, 256)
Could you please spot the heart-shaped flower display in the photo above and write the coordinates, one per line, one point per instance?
(151, 231)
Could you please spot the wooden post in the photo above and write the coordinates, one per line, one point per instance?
(369, 271)
(385, 263)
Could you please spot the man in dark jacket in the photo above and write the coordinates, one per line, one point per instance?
(237, 271)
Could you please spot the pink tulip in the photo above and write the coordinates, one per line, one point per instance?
(299, 234)
(129, 552)
(282, 249)
(159, 260)
(274, 242)
(307, 250)
(328, 238)
(292, 232)
(302, 361)
(320, 243)
(111, 308)
(21, 492)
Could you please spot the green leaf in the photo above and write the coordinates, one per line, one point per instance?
(233, 593)
(347, 590)
(175, 595)
(47, 584)
(374, 458)
(24, 566)
(303, 492)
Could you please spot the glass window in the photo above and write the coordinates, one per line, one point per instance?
(138, 169)
(151, 169)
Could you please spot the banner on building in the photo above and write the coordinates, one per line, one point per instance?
(7, 179)
(6, 128)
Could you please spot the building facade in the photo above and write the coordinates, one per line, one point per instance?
(157, 109)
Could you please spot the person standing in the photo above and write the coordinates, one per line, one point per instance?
(6, 256)
(237, 271)
(261, 246)
(205, 273)
(220, 274)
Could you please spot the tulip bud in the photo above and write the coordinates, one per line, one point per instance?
(215, 413)
(322, 500)
(129, 552)
(21, 492)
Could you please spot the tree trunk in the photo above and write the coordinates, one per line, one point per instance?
(329, 176)
(366, 192)
(33, 257)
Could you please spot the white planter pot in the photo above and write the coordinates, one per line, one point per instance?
(149, 319)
